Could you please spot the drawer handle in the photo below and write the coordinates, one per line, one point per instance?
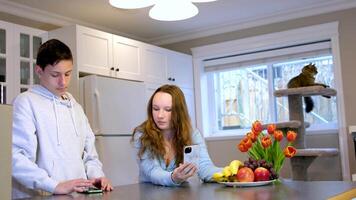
(117, 69)
(112, 68)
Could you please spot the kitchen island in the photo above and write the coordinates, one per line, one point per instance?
(286, 189)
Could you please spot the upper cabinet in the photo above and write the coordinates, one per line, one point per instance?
(155, 62)
(127, 58)
(164, 66)
(18, 51)
(101, 53)
(94, 50)
(98, 52)
(180, 69)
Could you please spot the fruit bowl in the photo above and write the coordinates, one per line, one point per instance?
(247, 184)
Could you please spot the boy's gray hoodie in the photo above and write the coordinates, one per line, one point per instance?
(52, 142)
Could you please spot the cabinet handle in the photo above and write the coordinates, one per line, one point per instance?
(169, 78)
(173, 79)
(117, 69)
(112, 68)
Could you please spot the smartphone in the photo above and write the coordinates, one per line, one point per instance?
(191, 154)
(92, 190)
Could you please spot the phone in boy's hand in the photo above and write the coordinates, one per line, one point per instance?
(191, 154)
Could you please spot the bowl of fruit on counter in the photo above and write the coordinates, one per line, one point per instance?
(266, 157)
(248, 173)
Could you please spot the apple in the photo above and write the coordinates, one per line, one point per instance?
(245, 174)
(261, 174)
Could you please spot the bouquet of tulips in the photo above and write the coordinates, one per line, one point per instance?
(266, 146)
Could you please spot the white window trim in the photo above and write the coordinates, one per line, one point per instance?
(272, 40)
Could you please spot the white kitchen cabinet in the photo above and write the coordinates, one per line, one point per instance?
(155, 64)
(107, 54)
(100, 53)
(180, 69)
(127, 58)
(164, 66)
(18, 52)
(94, 50)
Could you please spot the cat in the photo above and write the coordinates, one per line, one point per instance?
(304, 79)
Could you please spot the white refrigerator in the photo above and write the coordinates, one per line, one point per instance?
(114, 108)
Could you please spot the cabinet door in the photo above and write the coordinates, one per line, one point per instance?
(180, 70)
(155, 65)
(27, 41)
(4, 62)
(126, 55)
(94, 53)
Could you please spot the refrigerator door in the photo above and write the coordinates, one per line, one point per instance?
(113, 106)
(119, 159)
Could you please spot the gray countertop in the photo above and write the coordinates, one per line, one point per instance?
(285, 189)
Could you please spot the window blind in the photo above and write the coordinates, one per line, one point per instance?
(265, 56)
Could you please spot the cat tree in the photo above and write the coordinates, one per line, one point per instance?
(304, 156)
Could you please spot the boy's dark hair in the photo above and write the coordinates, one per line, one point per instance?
(52, 52)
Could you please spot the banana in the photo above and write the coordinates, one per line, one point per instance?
(234, 166)
(218, 177)
(226, 171)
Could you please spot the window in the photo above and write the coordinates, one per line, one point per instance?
(241, 88)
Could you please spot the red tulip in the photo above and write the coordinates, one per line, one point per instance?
(256, 127)
(271, 128)
(278, 135)
(289, 151)
(291, 135)
(266, 141)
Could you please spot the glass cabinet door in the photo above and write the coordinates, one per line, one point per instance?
(3, 71)
(29, 45)
(18, 51)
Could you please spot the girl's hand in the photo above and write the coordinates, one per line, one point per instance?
(183, 172)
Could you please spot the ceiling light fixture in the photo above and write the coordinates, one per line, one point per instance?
(131, 4)
(163, 10)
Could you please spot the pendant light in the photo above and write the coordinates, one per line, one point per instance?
(163, 10)
(131, 4)
(201, 1)
(173, 10)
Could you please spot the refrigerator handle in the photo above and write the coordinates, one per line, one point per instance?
(98, 109)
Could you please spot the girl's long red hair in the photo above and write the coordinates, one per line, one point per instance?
(152, 138)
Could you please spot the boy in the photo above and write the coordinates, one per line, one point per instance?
(53, 145)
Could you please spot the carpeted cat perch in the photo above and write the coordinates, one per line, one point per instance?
(304, 156)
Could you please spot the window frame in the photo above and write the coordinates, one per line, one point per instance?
(287, 37)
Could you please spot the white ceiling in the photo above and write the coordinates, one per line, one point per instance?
(213, 18)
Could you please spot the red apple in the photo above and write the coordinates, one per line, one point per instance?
(261, 174)
(245, 174)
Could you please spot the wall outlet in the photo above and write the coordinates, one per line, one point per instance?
(352, 129)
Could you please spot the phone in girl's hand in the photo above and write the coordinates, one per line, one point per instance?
(191, 154)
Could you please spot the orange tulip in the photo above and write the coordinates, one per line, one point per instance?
(252, 136)
(289, 151)
(247, 142)
(278, 135)
(242, 147)
(256, 127)
(291, 135)
(271, 128)
(266, 141)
